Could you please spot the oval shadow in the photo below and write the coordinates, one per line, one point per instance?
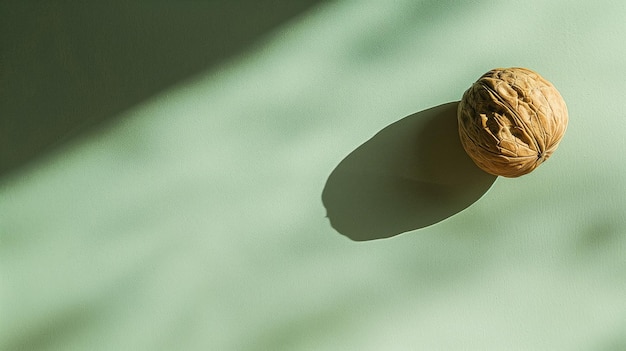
(411, 174)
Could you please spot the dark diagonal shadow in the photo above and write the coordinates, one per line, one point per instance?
(71, 67)
(411, 174)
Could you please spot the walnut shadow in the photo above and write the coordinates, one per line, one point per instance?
(410, 175)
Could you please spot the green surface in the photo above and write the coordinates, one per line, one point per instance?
(196, 222)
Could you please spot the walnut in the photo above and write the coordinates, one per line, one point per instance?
(511, 120)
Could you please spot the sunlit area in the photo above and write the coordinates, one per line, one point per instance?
(196, 213)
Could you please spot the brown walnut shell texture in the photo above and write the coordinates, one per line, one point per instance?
(511, 120)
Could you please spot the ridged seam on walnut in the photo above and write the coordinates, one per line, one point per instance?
(511, 120)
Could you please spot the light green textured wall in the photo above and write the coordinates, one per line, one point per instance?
(197, 223)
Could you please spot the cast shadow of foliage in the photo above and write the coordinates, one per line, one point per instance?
(412, 174)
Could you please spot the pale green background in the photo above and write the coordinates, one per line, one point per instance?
(196, 222)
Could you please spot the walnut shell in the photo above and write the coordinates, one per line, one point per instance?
(511, 120)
